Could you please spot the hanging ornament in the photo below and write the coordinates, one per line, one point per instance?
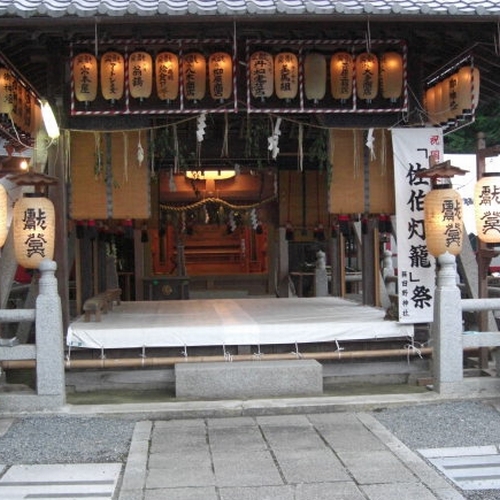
(201, 122)
(370, 139)
(273, 140)
(140, 151)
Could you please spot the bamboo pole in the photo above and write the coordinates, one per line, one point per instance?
(164, 361)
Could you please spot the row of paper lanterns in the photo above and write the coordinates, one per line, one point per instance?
(443, 215)
(33, 219)
(454, 97)
(19, 103)
(268, 74)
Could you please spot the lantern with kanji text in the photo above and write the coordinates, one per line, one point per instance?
(443, 213)
(261, 75)
(467, 90)
(341, 75)
(367, 76)
(6, 91)
(85, 77)
(34, 229)
(112, 76)
(140, 74)
(286, 75)
(220, 75)
(487, 207)
(194, 72)
(167, 76)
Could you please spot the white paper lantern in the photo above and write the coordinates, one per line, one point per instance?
(367, 76)
(34, 229)
(286, 75)
(140, 74)
(112, 76)
(469, 82)
(391, 75)
(443, 214)
(194, 71)
(220, 75)
(85, 77)
(261, 75)
(487, 207)
(341, 75)
(6, 91)
(167, 76)
(315, 76)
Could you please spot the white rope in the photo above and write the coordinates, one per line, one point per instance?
(185, 352)
(339, 349)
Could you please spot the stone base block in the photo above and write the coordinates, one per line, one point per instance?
(248, 379)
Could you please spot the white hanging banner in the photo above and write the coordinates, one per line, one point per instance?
(413, 149)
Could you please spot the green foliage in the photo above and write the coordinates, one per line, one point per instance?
(464, 140)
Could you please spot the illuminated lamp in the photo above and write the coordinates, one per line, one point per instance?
(6, 91)
(454, 113)
(446, 114)
(18, 110)
(112, 76)
(167, 76)
(215, 175)
(33, 219)
(487, 207)
(367, 76)
(341, 75)
(220, 75)
(286, 75)
(3, 215)
(261, 75)
(468, 90)
(443, 224)
(315, 76)
(140, 74)
(85, 77)
(391, 75)
(439, 116)
(194, 71)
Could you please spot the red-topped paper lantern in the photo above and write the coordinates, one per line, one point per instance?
(443, 213)
(140, 74)
(286, 75)
(367, 76)
(112, 76)
(487, 207)
(85, 77)
(315, 76)
(220, 75)
(341, 75)
(34, 229)
(167, 76)
(261, 75)
(194, 71)
(391, 75)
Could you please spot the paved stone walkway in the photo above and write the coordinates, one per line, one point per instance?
(330, 456)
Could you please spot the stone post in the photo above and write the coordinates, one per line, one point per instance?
(447, 329)
(320, 275)
(49, 338)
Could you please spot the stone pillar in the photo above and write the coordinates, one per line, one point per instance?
(447, 329)
(49, 338)
(282, 285)
(320, 275)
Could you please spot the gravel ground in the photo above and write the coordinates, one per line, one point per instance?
(60, 439)
(443, 425)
